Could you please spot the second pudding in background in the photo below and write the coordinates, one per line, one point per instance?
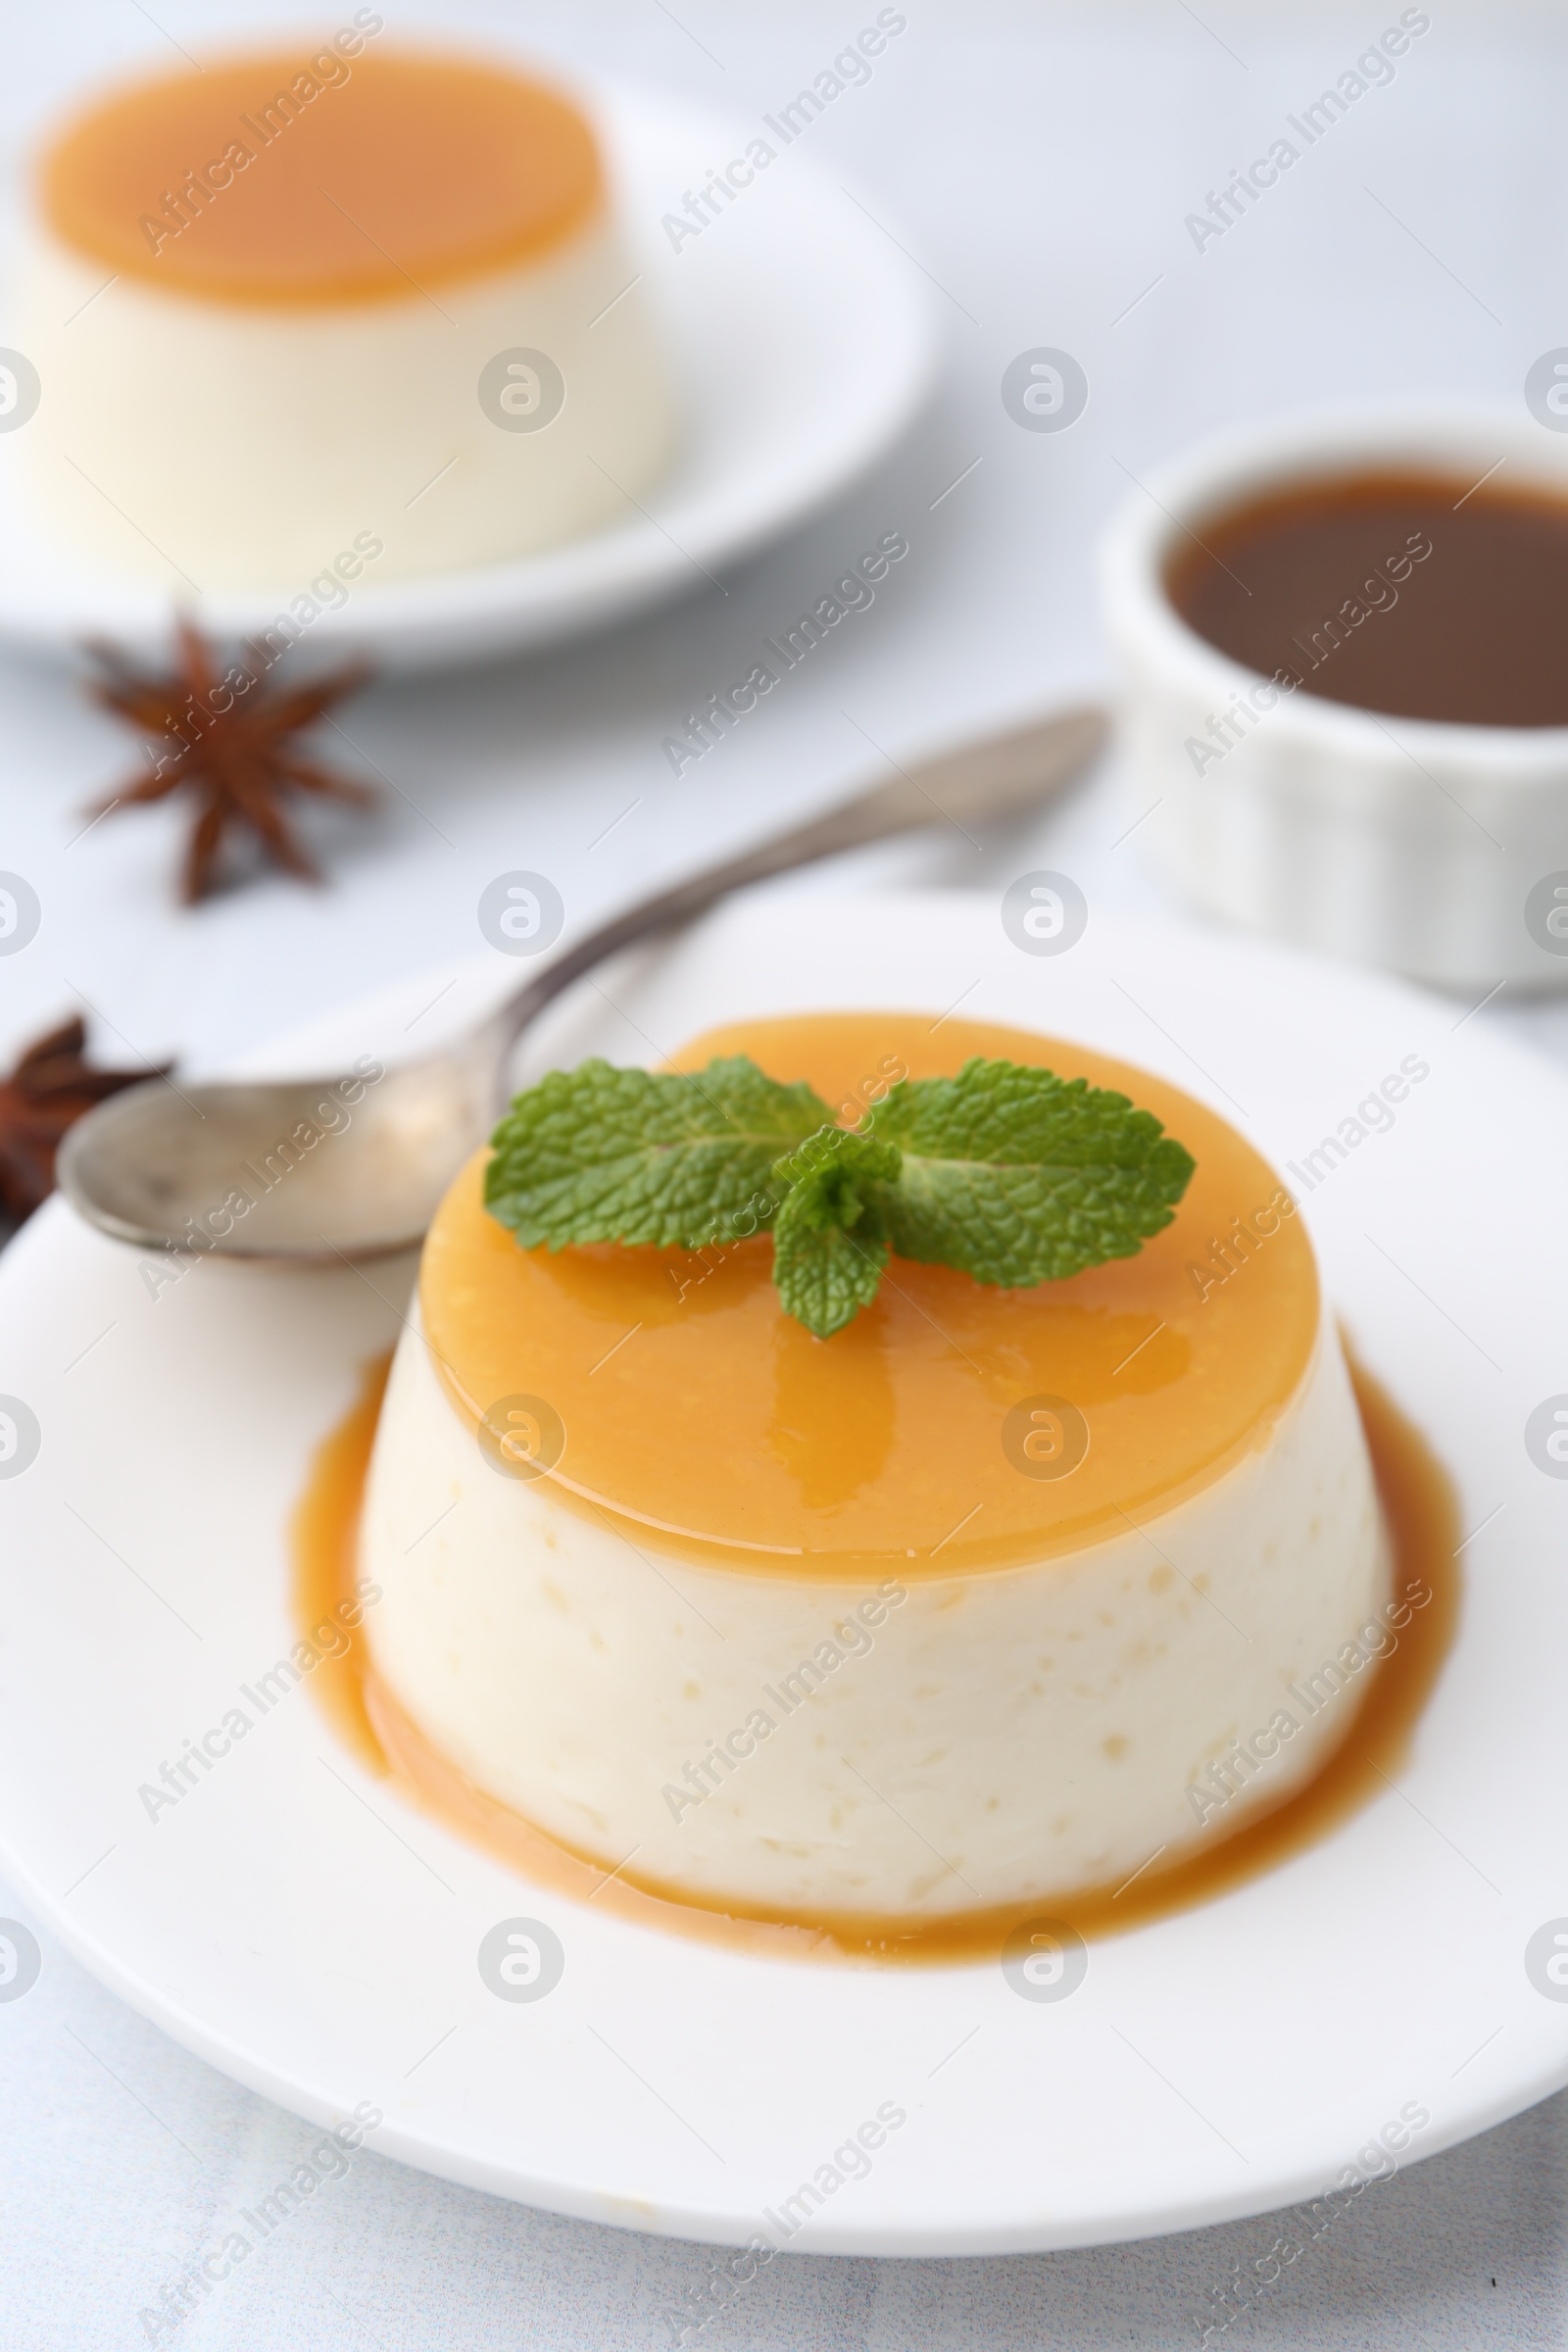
(307, 301)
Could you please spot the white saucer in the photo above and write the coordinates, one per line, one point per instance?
(803, 340)
(295, 1924)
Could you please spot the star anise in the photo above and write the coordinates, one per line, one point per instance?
(226, 737)
(46, 1092)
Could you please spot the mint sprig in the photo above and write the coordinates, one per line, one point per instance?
(1009, 1173)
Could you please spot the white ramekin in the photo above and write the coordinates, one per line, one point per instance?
(1407, 842)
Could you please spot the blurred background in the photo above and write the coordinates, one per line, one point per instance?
(1039, 166)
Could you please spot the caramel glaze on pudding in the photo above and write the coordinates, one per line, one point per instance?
(262, 298)
(725, 1431)
(1053, 1662)
(507, 169)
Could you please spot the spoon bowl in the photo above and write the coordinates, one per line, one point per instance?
(347, 1166)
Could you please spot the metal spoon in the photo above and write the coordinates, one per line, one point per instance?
(319, 1170)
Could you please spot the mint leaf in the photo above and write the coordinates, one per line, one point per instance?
(1017, 1176)
(830, 1233)
(824, 1275)
(604, 1154)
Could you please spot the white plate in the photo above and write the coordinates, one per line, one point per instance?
(803, 340)
(294, 1923)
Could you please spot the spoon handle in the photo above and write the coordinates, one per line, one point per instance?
(998, 778)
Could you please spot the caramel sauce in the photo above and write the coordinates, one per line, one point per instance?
(301, 178)
(701, 1419)
(323, 1543)
(1422, 1515)
(1414, 593)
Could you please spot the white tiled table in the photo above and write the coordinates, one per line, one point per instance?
(1040, 165)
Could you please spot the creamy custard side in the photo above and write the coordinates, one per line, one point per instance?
(789, 1616)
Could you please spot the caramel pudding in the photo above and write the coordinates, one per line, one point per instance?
(993, 1597)
(357, 302)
